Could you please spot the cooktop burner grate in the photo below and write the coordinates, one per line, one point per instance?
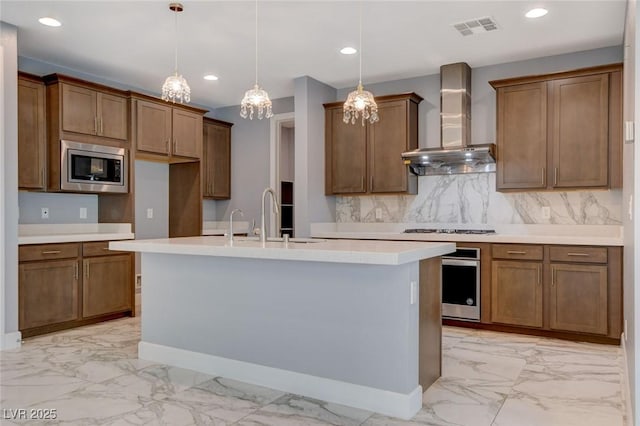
(449, 231)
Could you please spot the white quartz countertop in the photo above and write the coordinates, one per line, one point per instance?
(336, 251)
(596, 235)
(73, 232)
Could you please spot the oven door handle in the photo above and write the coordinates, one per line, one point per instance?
(458, 262)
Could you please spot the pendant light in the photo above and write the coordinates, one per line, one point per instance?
(360, 103)
(175, 87)
(256, 99)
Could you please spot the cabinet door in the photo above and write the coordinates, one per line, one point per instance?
(387, 140)
(187, 134)
(48, 292)
(580, 131)
(217, 161)
(522, 136)
(516, 293)
(31, 134)
(153, 127)
(578, 298)
(79, 110)
(112, 111)
(106, 286)
(346, 155)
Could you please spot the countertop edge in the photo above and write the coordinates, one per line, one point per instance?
(73, 238)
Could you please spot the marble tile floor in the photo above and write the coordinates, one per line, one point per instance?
(91, 376)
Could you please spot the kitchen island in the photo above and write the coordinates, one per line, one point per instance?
(350, 322)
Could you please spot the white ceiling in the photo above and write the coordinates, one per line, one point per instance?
(132, 41)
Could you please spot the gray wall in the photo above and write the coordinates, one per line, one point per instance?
(483, 105)
(631, 190)
(249, 161)
(311, 203)
(63, 208)
(152, 191)
(9, 191)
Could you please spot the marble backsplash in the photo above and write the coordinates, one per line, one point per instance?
(472, 199)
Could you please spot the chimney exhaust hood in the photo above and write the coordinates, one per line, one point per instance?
(456, 155)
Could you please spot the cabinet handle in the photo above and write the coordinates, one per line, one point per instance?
(544, 176)
(166, 144)
(42, 177)
(51, 252)
(75, 273)
(516, 252)
(95, 125)
(578, 254)
(538, 276)
(86, 269)
(101, 127)
(371, 183)
(555, 176)
(364, 187)
(105, 248)
(175, 145)
(553, 278)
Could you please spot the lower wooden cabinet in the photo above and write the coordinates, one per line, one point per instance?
(516, 292)
(578, 298)
(48, 292)
(72, 284)
(106, 285)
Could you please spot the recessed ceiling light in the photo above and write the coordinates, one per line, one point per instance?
(210, 77)
(49, 22)
(536, 13)
(348, 50)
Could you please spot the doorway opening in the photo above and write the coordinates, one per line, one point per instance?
(282, 171)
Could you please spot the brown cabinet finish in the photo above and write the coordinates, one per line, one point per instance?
(578, 298)
(48, 292)
(216, 159)
(517, 251)
(153, 127)
(345, 154)
(187, 134)
(91, 112)
(33, 252)
(522, 136)
(106, 285)
(560, 131)
(32, 142)
(366, 159)
(516, 293)
(578, 254)
(580, 131)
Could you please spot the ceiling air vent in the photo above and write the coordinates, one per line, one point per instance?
(476, 26)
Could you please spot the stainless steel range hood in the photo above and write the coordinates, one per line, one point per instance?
(456, 154)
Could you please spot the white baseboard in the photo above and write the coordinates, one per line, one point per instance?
(11, 341)
(626, 387)
(393, 404)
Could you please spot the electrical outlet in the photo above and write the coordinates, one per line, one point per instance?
(44, 213)
(83, 212)
(546, 212)
(378, 213)
(149, 213)
(414, 293)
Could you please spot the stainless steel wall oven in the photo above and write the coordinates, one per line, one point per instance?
(461, 284)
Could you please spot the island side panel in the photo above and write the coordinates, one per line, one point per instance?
(430, 333)
(348, 322)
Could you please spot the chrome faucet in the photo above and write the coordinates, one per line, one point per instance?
(276, 211)
(231, 223)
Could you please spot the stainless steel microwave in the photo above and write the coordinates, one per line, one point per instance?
(93, 168)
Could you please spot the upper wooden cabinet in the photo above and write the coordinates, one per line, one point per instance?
(216, 159)
(89, 112)
(166, 131)
(560, 131)
(32, 142)
(366, 159)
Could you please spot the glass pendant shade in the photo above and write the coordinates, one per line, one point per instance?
(176, 89)
(257, 101)
(360, 104)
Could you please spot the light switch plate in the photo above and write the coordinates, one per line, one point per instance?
(414, 293)
(629, 131)
(83, 212)
(378, 213)
(546, 212)
(149, 213)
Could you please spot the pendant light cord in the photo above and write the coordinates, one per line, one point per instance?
(360, 25)
(256, 42)
(175, 14)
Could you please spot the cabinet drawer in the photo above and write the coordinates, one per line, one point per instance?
(578, 254)
(517, 251)
(97, 248)
(48, 251)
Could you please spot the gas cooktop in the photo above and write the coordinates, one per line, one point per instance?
(448, 231)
